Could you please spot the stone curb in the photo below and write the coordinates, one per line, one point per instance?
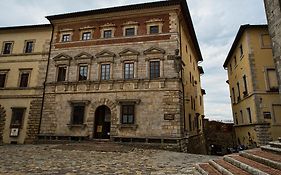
(200, 170)
(271, 149)
(219, 168)
(262, 160)
(275, 144)
(244, 166)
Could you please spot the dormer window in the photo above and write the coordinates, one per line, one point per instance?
(65, 38)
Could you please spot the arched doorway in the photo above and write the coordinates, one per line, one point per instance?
(102, 122)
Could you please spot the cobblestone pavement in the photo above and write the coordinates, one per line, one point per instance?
(81, 159)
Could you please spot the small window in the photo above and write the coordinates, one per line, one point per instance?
(128, 71)
(83, 72)
(28, 47)
(2, 79)
(154, 69)
(267, 115)
(154, 29)
(78, 114)
(238, 88)
(17, 117)
(245, 85)
(86, 36)
(130, 31)
(265, 41)
(65, 38)
(241, 50)
(7, 48)
(272, 81)
(249, 115)
(24, 76)
(107, 33)
(236, 118)
(242, 117)
(233, 96)
(61, 73)
(105, 71)
(235, 61)
(189, 122)
(230, 68)
(128, 114)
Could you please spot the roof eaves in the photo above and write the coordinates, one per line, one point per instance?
(26, 27)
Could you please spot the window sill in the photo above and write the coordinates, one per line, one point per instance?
(129, 126)
(70, 126)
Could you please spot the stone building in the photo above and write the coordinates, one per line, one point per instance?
(128, 74)
(23, 61)
(253, 87)
(273, 12)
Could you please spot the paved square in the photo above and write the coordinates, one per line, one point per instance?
(90, 158)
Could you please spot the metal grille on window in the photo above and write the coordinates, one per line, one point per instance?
(128, 114)
(78, 114)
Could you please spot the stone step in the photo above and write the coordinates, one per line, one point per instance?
(271, 149)
(226, 168)
(263, 157)
(206, 169)
(275, 144)
(251, 166)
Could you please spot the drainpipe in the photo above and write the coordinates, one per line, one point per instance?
(44, 84)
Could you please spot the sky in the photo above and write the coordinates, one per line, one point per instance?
(216, 23)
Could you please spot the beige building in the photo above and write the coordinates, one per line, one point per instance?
(253, 87)
(273, 12)
(128, 74)
(23, 61)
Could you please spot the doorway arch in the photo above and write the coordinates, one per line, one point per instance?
(102, 122)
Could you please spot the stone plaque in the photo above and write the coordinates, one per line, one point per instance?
(169, 116)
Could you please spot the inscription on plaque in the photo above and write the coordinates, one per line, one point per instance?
(169, 116)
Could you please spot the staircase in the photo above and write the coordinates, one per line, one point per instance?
(265, 160)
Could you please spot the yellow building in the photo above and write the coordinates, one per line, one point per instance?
(253, 87)
(23, 62)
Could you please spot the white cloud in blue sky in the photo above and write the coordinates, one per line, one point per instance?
(216, 23)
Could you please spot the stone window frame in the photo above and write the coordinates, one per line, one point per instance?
(110, 70)
(25, 46)
(74, 103)
(21, 124)
(126, 102)
(66, 72)
(134, 69)
(105, 27)
(152, 76)
(130, 24)
(154, 22)
(262, 45)
(87, 30)
(3, 47)
(6, 72)
(22, 71)
(78, 70)
(66, 32)
(267, 82)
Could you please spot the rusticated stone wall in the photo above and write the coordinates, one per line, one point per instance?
(273, 12)
(33, 120)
